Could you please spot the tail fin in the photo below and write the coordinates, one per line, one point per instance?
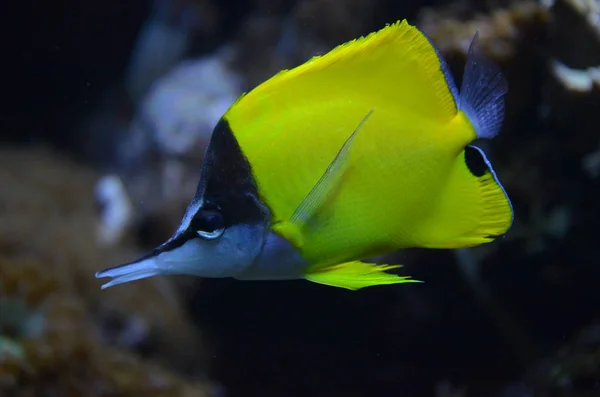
(482, 92)
(473, 209)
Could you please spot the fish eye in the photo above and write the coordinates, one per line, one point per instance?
(208, 224)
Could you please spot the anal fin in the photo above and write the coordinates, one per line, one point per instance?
(356, 275)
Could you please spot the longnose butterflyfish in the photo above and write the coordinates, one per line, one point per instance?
(357, 153)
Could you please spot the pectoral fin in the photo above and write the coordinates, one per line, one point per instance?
(326, 184)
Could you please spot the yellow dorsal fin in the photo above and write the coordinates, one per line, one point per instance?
(396, 66)
(356, 275)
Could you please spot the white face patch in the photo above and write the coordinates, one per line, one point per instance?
(225, 256)
(190, 212)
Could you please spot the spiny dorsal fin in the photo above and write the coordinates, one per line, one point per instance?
(388, 65)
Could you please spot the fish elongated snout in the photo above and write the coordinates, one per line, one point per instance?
(186, 253)
(145, 267)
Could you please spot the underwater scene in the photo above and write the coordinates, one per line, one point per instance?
(300, 198)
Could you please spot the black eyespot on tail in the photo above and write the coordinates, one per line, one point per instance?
(475, 161)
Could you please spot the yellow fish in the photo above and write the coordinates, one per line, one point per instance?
(361, 152)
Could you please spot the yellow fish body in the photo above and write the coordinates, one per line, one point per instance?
(357, 153)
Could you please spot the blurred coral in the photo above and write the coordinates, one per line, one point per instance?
(56, 323)
(157, 158)
(166, 38)
(573, 85)
(512, 36)
(575, 32)
(501, 31)
(269, 41)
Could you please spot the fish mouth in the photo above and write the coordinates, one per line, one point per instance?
(150, 265)
(145, 267)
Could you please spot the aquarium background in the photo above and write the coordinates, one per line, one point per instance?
(107, 108)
